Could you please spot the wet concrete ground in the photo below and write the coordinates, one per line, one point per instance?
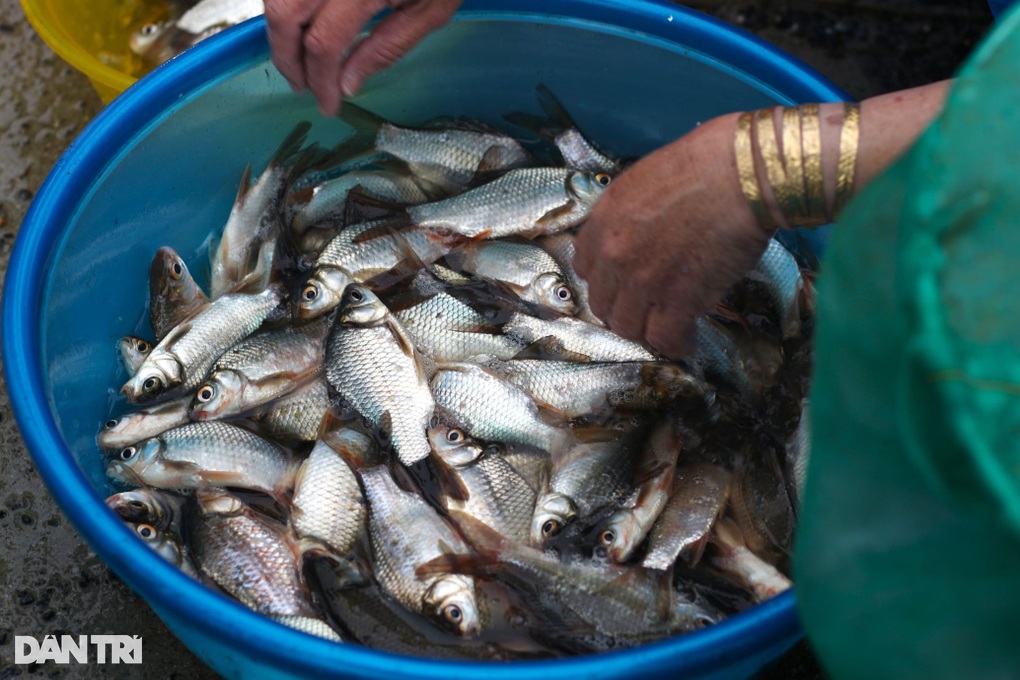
(50, 582)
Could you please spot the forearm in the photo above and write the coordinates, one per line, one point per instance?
(888, 125)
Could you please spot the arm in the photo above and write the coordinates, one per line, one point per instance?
(675, 231)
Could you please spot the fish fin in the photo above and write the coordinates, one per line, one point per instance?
(455, 259)
(385, 228)
(244, 187)
(671, 380)
(291, 144)
(594, 434)
(452, 485)
(551, 348)
(551, 218)
(550, 415)
(472, 565)
(300, 197)
(261, 275)
(485, 540)
(553, 108)
(366, 129)
(541, 126)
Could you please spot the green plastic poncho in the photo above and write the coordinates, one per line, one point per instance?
(908, 554)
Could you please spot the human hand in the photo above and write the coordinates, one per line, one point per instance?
(310, 38)
(668, 237)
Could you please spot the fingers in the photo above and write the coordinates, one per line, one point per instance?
(392, 39)
(332, 32)
(285, 27)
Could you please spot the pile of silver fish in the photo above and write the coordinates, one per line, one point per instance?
(392, 418)
(189, 23)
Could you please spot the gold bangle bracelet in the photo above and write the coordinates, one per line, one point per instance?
(743, 150)
(849, 141)
(794, 205)
(811, 138)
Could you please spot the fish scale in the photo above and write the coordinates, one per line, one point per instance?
(516, 203)
(449, 158)
(371, 370)
(498, 496)
(577, 336)
(448, 330)
(297, 415)
(212, 452)
(397, 553)
(492, 410)
(364, 259)
(249, 374)
(328, 503)
(196, 345)
(252, 562)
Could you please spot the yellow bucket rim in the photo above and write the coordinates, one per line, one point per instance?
(66, 49)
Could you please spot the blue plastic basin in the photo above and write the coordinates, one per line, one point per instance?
(160, 166)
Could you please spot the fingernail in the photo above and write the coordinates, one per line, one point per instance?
(351, 83)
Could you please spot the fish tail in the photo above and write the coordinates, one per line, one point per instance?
(366, 128)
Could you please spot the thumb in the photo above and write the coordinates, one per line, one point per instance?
(392, 38)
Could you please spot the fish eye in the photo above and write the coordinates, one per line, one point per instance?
(128, 453)
(452, 613)
(309, 293)
(564, 293)
(603, 179)
(355, 295)
(454, 436)
(550, 528)
(607, 537)
(145, 531)
(142, 346)
(137, 504)
(176, 270)
(206, 393)
(149, 29)
(151, 384)
(110, 424)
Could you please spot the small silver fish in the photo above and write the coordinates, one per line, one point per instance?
(133, 351)
(173, 294)
(528, 270)
(737, 561)
(250, 557)
(585, 480)
(297, 416)
(347, 260)
(200, 454)
(157, 43)
(577, 337)
(329, 199)
(372, 364)
(448, 330)
(397, 554)
(627, 527)
(524, 202)
(247, 244)
(182, 359)
(493, 410)
(329, 508)
(698, 497)
(561, 247)
(133, 427)
(497, 494)
(260, 369)
(448, 157)
(144, 505)
(578, 389)
(167, 544)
